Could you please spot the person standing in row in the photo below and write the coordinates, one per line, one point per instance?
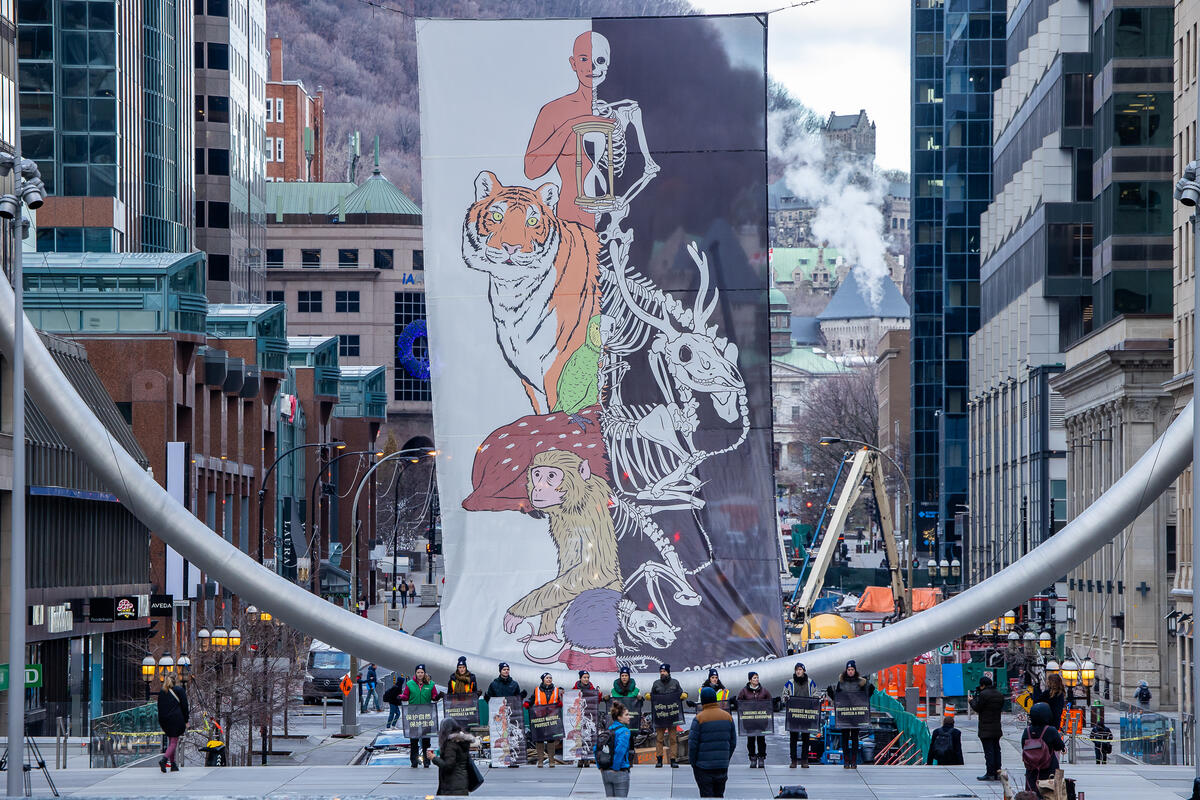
(624, 687)
(503, 685)
(587, 689)
(666, 685)
(714, 680)
(712, 738)
(172, 718)
(419, 690)
(850, 681)
(988, 703)
(799, 685)
(463, 680)
(755, 745)
(615, 777)
(546, 694)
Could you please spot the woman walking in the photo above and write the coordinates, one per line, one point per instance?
(616, 777)
(172, 718)
(453, 759)
(1054, 694)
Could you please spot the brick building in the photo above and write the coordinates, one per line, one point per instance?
(295, 125)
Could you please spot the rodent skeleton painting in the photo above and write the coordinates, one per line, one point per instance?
(619, 329)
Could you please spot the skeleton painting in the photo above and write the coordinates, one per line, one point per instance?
(632, 445)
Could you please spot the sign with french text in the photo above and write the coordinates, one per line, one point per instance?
(851, 709)
(803, 714)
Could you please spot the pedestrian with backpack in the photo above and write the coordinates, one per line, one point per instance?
(1101, 737)
(945, 747)
(392, 698)
(612, 752)
(1143, 695)
(1039, 742)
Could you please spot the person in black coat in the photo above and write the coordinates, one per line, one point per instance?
(172, 718)
(988, 703)
(945, 749)
(1053, 694)
(850, 681)
(453, 759)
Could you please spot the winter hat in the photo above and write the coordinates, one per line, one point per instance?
(799, 665)
(583, 672)
(624, 671)
(708, 695)
(850, 664)
(462, 661)
(661, 667)
(544, 676)
(712, 673)
(752, 674)
(419, 666)
(503, 665)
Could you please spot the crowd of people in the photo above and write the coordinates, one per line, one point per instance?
(712, 736)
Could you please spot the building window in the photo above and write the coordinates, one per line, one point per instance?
(345, 302)
(279, 149)
(279, 109)
(410, 307)
(199, 56)
(274, 257)
(275, 296)
(418, 260)
(218, 8)
(348, 257)
(270, 148)
(218, 267)
(218, 108)
(218, 55)
(348, 345)
(201, 217)
(310, 258)
(308, 302)
(218, 161)
(218, 214)
(200, 107)
(199, 160)
(384, 259)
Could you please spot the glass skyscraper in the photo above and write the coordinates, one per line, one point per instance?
(958, 59)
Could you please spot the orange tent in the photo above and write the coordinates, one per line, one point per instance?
(878, 599)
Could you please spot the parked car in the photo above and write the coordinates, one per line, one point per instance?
(389, 747)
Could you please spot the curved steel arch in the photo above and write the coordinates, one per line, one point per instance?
(150, 503)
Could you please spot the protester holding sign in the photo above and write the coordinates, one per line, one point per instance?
(802, 687)
(851, 697)
(463, 680)
(418, 690)
(624, 687)
(503, 685)
(714, 681)
(591, 694)
(545, 710)
(667, 690)
(755, 745)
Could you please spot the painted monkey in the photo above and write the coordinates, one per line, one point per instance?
(562, 487)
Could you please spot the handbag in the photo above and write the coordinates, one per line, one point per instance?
(474, 776)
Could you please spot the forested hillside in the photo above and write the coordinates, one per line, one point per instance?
(365, 57)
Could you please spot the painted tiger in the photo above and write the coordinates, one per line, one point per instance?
(543, 279)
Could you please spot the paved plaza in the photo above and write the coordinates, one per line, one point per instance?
(1110, 782)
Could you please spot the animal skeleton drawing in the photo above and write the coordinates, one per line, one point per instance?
(697, 407)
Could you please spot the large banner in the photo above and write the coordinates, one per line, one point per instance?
(595, 249)
(581, 724)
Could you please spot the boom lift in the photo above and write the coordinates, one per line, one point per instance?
(864, 466)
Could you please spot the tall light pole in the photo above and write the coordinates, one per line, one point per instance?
(1187, 192)
(262, 492)
(30, 192)
(314, 545)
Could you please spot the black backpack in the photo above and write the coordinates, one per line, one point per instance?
(606, 748)
(942, 745)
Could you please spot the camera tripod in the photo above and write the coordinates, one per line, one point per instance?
(31, 752)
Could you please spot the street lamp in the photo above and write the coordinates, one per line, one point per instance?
(1070, 673)
(1052, 667)
(314, 531)
(1010, 617)
(185, 667)
(220, 638)
(235, 639)
(148, 673)
(205, 638)
(165, 664)
(262, 493)
(1045, 641)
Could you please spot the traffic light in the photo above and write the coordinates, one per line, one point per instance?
(428, 548)
(808, 503)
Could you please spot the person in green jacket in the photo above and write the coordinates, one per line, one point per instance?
(419, 690)
(624, 686)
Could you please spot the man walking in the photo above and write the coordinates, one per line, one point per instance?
(666, 685)
(711, 742)
(370, 690)
(987, 702)
(403, 593)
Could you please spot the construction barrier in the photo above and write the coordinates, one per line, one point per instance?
(922, 711)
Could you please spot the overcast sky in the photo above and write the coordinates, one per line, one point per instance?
(843, 55)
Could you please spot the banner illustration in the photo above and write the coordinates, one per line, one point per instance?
(596, 281)
(581, 724)
(506, 731)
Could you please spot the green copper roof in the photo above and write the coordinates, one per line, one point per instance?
(776, 297)
(376, 195)
(786, 260)
(807, 359)
(299, 197)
